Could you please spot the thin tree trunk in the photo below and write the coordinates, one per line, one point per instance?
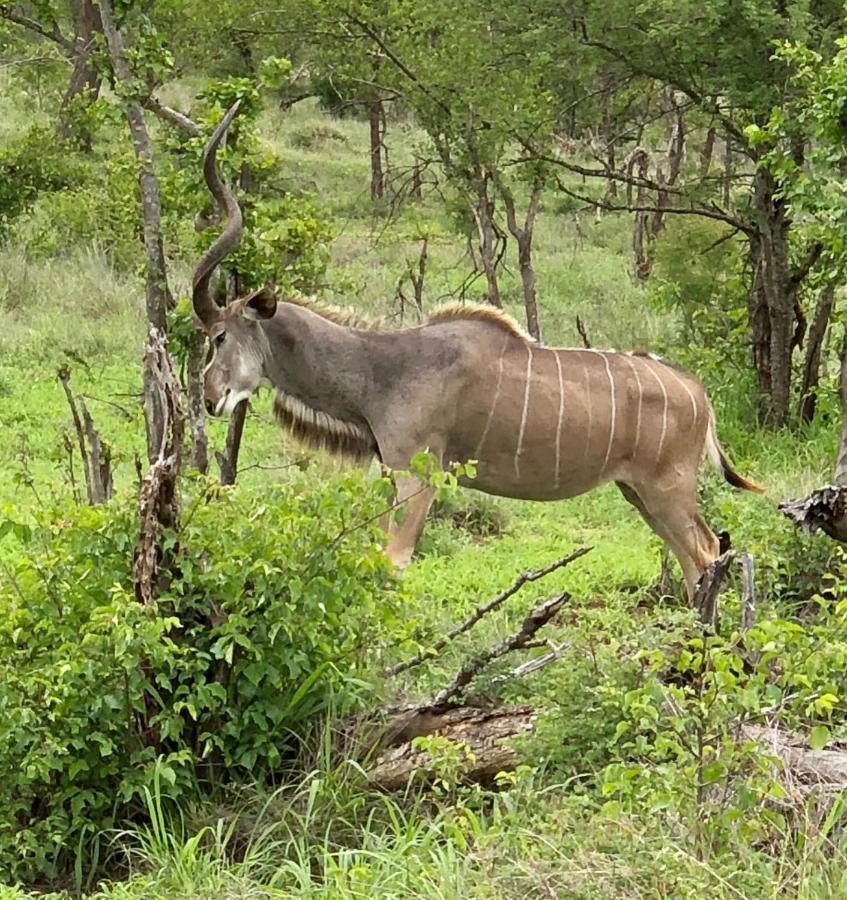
(376, 138)
(158, 505)
(727, 171)
(638, 162)
(673, 162)
(484, 215)
(771, 302)
(812, 362)
(196, 402)
(840, 475)
(228, 460)
(706, 153)
(607, 135)
(85, 80)
(158, 295)
(523, 236)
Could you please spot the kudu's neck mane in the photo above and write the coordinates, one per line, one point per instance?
(449, 312)
(321, 422)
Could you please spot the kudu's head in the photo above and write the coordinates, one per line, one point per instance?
(237, 342)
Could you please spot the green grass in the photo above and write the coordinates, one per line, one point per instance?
(328, 835)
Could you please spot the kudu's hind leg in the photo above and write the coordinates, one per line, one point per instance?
(677, 520)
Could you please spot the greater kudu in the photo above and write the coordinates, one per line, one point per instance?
(470, 384)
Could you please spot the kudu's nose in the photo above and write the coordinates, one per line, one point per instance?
(210, 407)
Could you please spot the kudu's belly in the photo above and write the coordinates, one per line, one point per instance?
(533, 477)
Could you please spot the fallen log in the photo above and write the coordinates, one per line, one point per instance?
(482, 733)
(804, 769)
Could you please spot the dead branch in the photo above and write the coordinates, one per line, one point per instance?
(804, 769)
(96, 457)
(537, 618)
(157, 500)
(99, 460)
(54, 34)
(172, 116)
(748, 593)
(484, 609)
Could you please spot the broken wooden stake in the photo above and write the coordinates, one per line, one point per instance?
(711, 582)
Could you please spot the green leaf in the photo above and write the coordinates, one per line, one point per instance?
(818, 737)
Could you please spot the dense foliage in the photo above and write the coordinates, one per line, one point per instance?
(278, 599)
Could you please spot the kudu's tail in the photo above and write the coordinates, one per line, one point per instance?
(721, 461)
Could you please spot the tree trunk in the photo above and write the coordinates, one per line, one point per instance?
(727, 171)
(668, 174)
(840, 474)
(706, 153)
(812, 362)
(158, 506)
(85, 80)
(484, 215)
(607, 136)
(485, 733)
(638, 163)
(228, 460)
(376, 136)
(523, 236)
(771, 301)
(196, 402)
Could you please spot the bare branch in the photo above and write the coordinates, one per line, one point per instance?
(709, 212)
(172, 116)
(537, 617)
(54, 34)
(484, 609)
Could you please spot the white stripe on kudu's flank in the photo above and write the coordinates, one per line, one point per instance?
(670, 370)
(587, 408)
(648, 360)
(614, 414)
(561, 414)
(525, 408)
(496, 397)
(634, 368)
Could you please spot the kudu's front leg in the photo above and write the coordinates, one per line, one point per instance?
(414, 500)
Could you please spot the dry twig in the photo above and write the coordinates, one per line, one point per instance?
(480, 611)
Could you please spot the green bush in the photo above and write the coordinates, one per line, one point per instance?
(273, 605)
(100, 208)
(29, 165)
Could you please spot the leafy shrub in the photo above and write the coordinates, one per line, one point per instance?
(315, 137)
(681, 745)
(274, 603)
(29, 165)
(698, 274)
(105, 215)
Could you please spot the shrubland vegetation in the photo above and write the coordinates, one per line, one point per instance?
(637, 175)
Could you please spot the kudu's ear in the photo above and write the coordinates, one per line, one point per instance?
(260, 304)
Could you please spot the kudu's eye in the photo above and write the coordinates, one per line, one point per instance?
(219, 338)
